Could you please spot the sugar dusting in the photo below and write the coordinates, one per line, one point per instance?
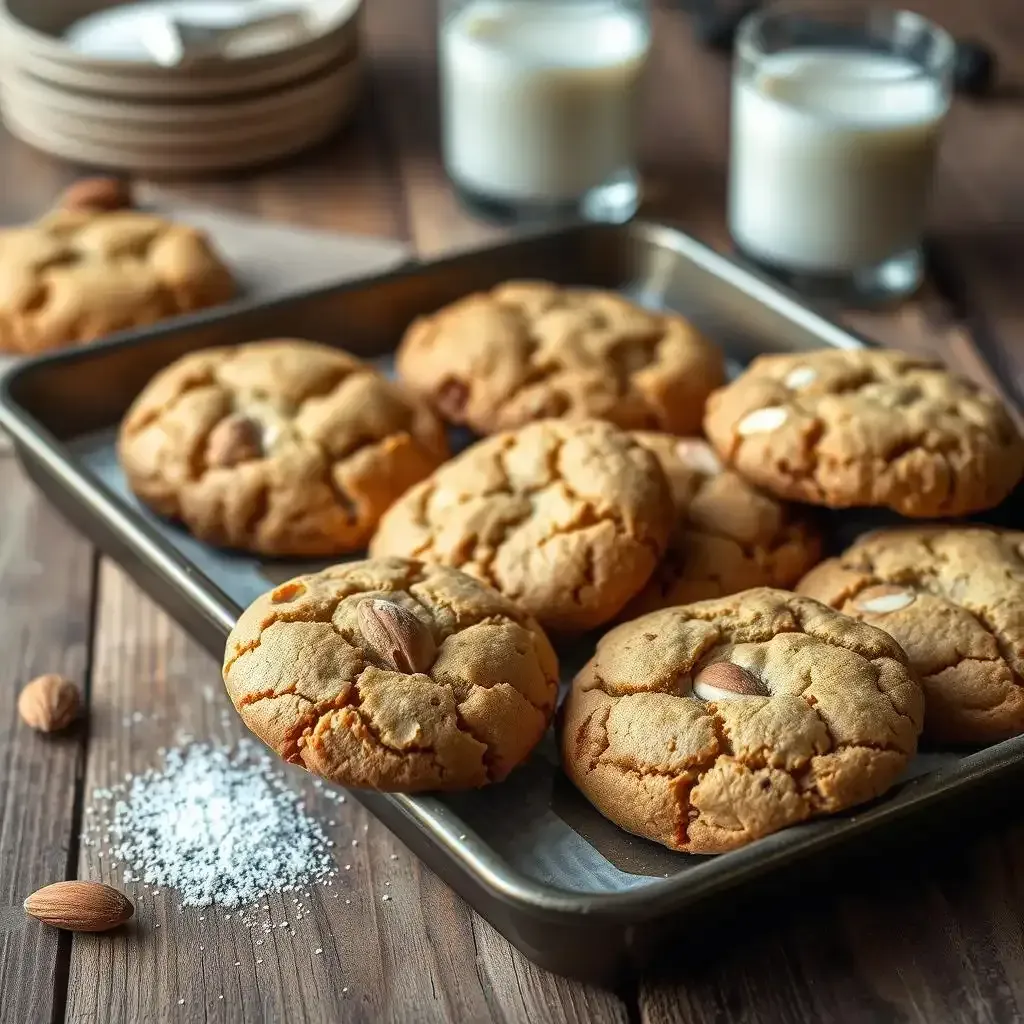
(218, 824)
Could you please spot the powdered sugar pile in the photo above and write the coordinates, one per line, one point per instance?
(219, 825)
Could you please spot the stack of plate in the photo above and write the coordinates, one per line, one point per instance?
(177, 86)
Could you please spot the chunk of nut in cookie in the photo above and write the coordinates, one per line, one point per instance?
(800, 377)
(396, 636)
(699, 456)
(883, 599)
(762, 421)
(235, 439)
(725, 681)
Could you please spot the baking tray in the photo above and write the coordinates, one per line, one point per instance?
(570, 890)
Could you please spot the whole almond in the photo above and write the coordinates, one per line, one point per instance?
(397, 636)
(49, 703)
(97, 194)
(80, 906)
(723, 681)
(235, 439)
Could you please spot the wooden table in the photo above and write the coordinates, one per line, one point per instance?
(933, 936)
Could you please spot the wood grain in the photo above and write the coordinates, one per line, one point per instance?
(934, 936)
(931, 935)
(45, 585)
(419, 954)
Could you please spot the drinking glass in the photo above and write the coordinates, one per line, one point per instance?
(837, 112)
(539, 105)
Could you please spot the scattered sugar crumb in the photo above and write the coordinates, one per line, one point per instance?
(219, 825)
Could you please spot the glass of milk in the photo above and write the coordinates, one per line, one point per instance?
(836, 116)
(539, 105)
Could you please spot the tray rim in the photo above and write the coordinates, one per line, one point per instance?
(479, 863)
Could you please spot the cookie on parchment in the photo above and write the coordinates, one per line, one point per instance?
(867, 427)
(566, 518)
(393, 675)
(953, 598)
(728, 536)
(94, 267)
(279, 447)
(711, 725)
(528, 350)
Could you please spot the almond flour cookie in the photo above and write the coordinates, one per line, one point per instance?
(709, 726)
(530, 350)
(567, 519)
(954, 600)
(393, 675)
(278, 447)
(92, 268)
(728, 536)
(867, 428)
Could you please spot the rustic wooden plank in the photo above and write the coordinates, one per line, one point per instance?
(932, 935)
(46, 578)
(523, 992)
(418, 955)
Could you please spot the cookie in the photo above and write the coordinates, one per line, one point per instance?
(81, 272)
(277, 447)
(393, 675)
(568, 519)
(727, 537)
(530, 350)
(867, 427)
(708, 726)
(953, 598)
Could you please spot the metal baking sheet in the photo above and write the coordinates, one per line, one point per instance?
(571, 890)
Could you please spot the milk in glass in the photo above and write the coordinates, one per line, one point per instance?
(832, 157)
(539, 98)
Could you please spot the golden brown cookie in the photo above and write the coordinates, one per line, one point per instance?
(728, 536)
(954, 600)
(566, 518)
(708, 726)
(528, 350)
(867, 427)
(86, 270)
(393, 675)
(279, 447)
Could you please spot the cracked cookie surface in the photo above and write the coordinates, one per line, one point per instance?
(728, 536)
(77, 275)
(568, 519)
(867, 428)
(279, 447)
(318, 686)
(659, 737)
(954, 600)
(528, 350)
